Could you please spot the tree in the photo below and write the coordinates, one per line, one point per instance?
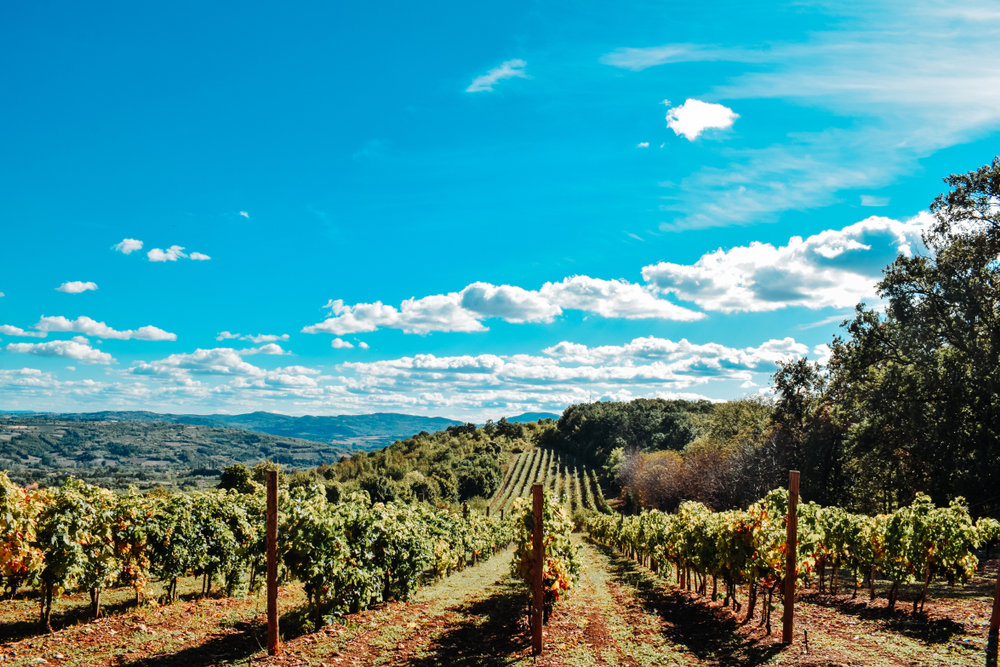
(919, 385)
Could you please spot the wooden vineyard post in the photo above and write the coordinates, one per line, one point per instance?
(991, 638)
(271, 481)
(538, 558)
(791, 540)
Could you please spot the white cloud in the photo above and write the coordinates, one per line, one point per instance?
(259, 338)
(76, 287)
(340, 343)
(871, 200)
(508, 70)
(199, 256)
(642, 58)
(71, 368)
(67, 349)
(822, 352)
(614, 299)
(270, 348)
(694, 117)
(90, 327)
(835, 268)
(464, 311)
(17, 331)
(363, 345)
(2, 294)
(642, 144)
(127, 246)
(245, 214)
(171, 254)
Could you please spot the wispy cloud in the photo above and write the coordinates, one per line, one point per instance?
(17, 331)
(259, 338)
(871, 200)
(911, 82)
(508, 70)
(76, 287)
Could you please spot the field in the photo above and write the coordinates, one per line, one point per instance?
(619, 614)
(559, 473)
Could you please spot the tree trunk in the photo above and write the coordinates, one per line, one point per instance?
(715, 587)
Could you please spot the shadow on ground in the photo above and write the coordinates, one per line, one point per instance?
(31, 627)
(690, 622)
(249, 638)
(490, 637)
(902, 620)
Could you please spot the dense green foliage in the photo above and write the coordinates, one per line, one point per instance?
(349, 555)
(461, 463)
(913, 544)
(561, 564)
(591, 431)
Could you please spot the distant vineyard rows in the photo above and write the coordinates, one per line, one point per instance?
(576, 486)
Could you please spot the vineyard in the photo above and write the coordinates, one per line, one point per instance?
(577, 486)
(691, 587)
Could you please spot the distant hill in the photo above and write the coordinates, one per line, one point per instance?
(366, 432)
(534, 416)
(115, 453)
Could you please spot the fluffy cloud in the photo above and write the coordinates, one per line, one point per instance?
(340, 343)
(835, 268)
(128, 246)
(17, 331)
(199, 256)
(90, 327)
(508, 70)
(694, 117)
(259, 338)
(77, 349)
(76, 287)
(642, 144)
(465, 310)
(171, 254)
(614, 298)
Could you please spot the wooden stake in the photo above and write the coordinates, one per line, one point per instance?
(538, 555)
(271, 480)
(791, 540)
(991, 638)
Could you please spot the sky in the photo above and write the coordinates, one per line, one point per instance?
(459, 209)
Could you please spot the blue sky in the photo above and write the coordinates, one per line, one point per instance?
(461, 209)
